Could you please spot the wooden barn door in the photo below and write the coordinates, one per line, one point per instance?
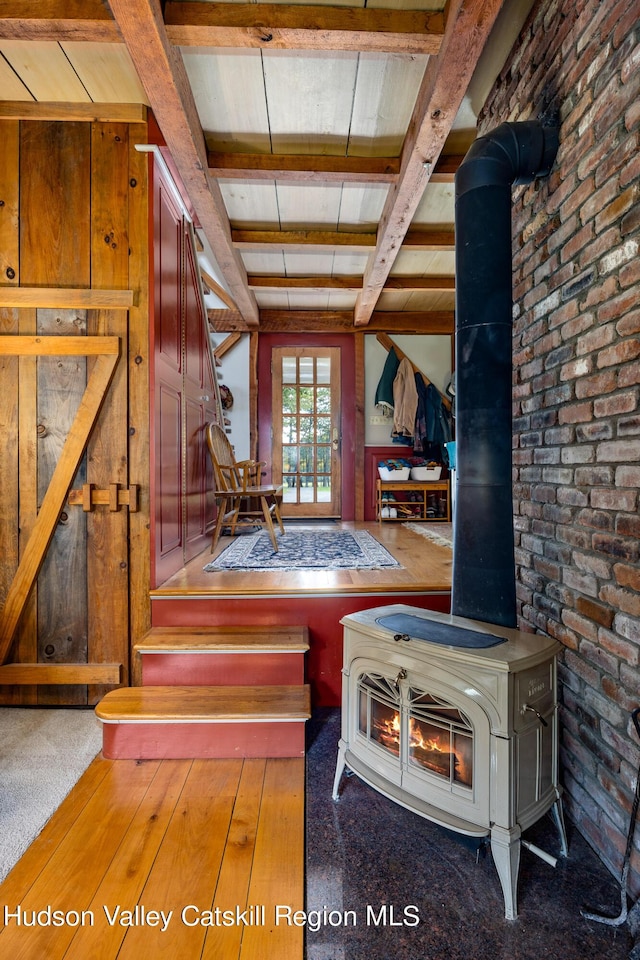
(67, 496)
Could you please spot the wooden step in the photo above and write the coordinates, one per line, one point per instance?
(191, 656)
(178, 722)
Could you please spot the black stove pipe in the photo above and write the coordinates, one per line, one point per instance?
(483, 586)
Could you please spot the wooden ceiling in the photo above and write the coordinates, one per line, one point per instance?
(317, 142)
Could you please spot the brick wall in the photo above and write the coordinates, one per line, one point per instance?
(576, 388)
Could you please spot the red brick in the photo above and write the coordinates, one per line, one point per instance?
(619, 353)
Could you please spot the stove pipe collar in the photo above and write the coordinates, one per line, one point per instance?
(483, 583)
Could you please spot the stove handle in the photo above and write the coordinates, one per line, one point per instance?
(538, 715)
(402, 675)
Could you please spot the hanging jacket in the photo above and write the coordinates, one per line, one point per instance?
(384, 390)
(405, 400)
(433, 422)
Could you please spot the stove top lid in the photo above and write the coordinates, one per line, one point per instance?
(410, 627)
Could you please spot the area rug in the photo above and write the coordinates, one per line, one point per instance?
(441, 533)
(43, 753)
(305, 550)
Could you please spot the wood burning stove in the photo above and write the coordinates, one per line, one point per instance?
(457, 721)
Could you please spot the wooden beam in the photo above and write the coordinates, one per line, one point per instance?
(66, 468)
(164, 78)
(319, 169)
(59, 20)
(62, 298)
(34, 346)
(444, 84)
(320, 239)
(294, 167)
(216, 288)
(297, 27)
(227, 344)
(90, 112)
(441, 284)
(66, 673)
(439, 322)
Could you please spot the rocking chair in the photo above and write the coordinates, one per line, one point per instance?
(239, 490)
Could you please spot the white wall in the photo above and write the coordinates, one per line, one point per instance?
(431, 354)
(234, 373)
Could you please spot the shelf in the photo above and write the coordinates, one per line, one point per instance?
(419, 505)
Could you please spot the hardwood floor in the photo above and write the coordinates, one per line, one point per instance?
(141, 853)
(424, 565)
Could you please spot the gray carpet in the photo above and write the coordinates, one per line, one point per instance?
(43, 753)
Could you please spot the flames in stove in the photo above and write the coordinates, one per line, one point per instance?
(439, 738)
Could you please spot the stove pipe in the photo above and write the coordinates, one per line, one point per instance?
(483, 555)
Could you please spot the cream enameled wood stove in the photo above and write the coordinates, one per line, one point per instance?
(457, 721)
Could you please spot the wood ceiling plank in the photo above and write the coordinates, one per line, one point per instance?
(11, 85)
(233, 115)
(310, 100)
(165, 81)
(446, 79)
(106, 71)
(44, 70)
(384, 97)
(311, 206)
(303, 27)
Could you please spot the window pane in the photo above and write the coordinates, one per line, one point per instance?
(323, 370)
(289, 369)
(306, 399)
(306, 369)
(289, 398)
(289, 459)
(323, 400)
(289, 429)
(306, 429)
(323, 430)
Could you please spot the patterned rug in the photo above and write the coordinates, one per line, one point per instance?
(305, 550)
(441, 533)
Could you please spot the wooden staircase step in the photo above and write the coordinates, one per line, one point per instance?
(204, 721)
(276, 639)
(191, 656)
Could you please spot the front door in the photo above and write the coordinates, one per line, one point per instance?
(306, 429)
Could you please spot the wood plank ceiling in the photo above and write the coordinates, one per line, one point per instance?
(317, 143)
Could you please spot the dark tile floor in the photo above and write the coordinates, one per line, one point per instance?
(365, 851)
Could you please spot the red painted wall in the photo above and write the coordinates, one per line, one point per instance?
(322, 614)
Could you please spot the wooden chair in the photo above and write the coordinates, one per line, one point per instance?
(239, 490)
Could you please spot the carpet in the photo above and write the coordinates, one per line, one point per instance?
(305, 550)
(440, 533)
(43, 753)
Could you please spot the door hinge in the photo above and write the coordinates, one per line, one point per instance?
(114, 497)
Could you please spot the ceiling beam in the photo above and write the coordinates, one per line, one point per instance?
(437, 284)
(319, 169)
(327, 169)
(308, 240)
(285, 27)
(444, 84)
(57, 20)
(162, 73)
(93, 112)
(435, 323)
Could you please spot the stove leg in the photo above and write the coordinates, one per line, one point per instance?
(558, 817)
(505, 849)
(340, 765)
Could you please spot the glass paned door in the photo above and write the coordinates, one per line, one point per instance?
(306, 429)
